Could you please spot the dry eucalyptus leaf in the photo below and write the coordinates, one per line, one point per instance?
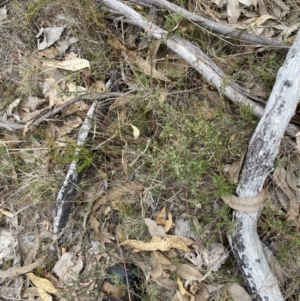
(145, 66)
(94, 223)
(71, 65)
(183, 291)
(31, 104)
(120, 233)
(153, 228)
(116, 193)
(246, 204)
(261, 20)
(116, 44)
(235, 168)
(68, 126)
(51, 35)
(282, 198)
(169, 222)
(173, 68)
(238, 293)
(199, 290)
(188, 272)
(279, 177)
(44, 295)
(182, 225)
(136, 131)
(42, 283)
(160, 263)
(67, 268)
(161, 217)
(6, 213)
(158, 244)
(156, 267)
(168, 284)
(233, 11)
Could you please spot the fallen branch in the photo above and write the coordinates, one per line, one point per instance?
(216, 27)
(94, 96)
(263, 148)
(262, 151)
(196, 58)
(64, 199)
(17, 271)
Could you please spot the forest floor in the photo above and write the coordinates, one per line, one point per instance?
(156, 161)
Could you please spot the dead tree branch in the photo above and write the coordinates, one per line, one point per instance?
(263, 149)
(193, 55)
(218, 28)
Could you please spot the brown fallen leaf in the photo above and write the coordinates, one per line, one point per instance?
(116, 193)
(145, 67)
(160, 263)
(158, 244)
(183, 291)
(188, 272)
(71, 65)
(246, 204)
(235, 168)
(166, 283)
(42, 283)
(199, 290)
(280, 177)
(161, 217)
(237, 292)
(44, 295)
(169, 222)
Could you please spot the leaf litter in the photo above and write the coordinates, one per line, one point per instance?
(163, 248)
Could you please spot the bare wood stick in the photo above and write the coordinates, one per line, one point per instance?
(96, 96)
(16, 271)
(263, 149)
(195, 57)
(64, 199)
(218, 28)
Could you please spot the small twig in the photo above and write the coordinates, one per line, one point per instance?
(125, 270)
(96, 96)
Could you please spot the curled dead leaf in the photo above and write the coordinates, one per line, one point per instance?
(183, 291)
(158, 244)
(42, 283)
(246, 204)
(161, 217)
